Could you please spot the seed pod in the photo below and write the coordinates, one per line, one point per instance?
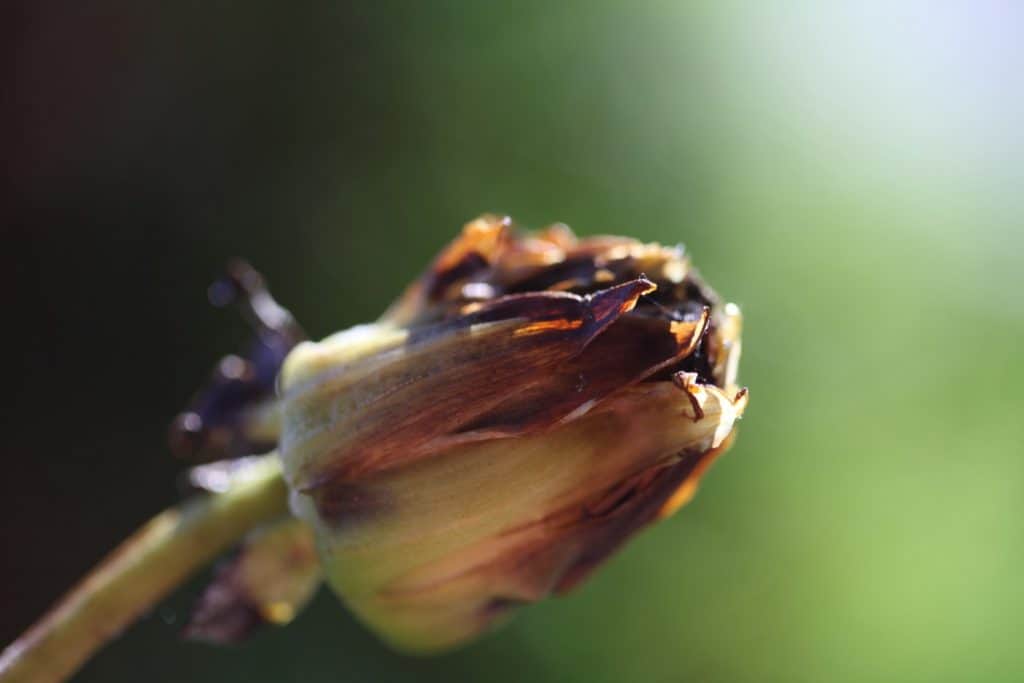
(524, 408)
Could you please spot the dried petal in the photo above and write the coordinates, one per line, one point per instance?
(448, 384)
(490, 259)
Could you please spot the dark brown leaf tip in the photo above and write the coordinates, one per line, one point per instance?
(609, 304)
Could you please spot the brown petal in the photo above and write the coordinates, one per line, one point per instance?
(491, 259)
(438, 389)
(629, 351)
(472, 252)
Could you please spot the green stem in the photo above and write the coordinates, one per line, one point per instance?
(145, 568)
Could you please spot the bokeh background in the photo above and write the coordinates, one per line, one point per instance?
(849, 174)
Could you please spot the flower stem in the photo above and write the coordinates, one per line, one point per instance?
(141, 571)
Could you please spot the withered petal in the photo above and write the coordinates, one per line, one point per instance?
(629, 351)
(472, 252)
(491, 259)
(405, 403)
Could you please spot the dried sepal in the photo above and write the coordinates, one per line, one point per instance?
(237, 413)
(270, 579)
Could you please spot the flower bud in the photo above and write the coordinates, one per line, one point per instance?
(521, 411)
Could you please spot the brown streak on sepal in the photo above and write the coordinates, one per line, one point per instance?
(603, 534)
(344, 504)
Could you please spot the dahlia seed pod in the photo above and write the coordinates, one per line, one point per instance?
(524, 408)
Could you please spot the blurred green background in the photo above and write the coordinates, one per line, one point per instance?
(849, 174)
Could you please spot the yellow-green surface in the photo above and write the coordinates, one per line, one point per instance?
(851, 176)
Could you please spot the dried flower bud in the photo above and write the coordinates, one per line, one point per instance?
(524, 408)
